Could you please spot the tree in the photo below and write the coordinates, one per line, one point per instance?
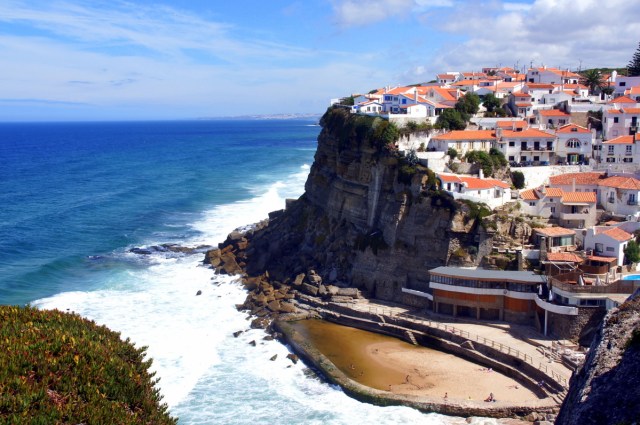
(468, 105)
(491, 102)
(517, 177)
(634, 65)
(452, 153)
(451, 119)
(632, 252)
(592, 78)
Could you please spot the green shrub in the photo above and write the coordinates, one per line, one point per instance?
(59, 368)
(517, 178)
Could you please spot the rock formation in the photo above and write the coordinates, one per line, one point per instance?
(606, 390)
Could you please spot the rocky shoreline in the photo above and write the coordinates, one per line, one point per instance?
(273, 303)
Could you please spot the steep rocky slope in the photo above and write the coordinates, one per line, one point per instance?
(365, 219)
(606, 390)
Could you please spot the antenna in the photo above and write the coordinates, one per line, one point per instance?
(580, 67)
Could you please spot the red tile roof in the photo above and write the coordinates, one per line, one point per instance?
(569, 128)
(552, 113)
(564, 256)
(617, 234)
(621, 182)
(529, 195)
(474, 182)
(555, 231)
(579, 197)
(620, 140)
(589, 178)
(622, 99)
(551, 192)
(467, 135)
(536, 86)
(530, 132)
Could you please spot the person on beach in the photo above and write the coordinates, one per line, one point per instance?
(446, 396)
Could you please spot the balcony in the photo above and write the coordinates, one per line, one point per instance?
(632, 202)
(574, 216)
(611, 200)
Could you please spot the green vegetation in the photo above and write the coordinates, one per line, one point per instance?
(453, 154)
(517, 178)
(477, 210)
(451, 119)
(592, 78)
(408, 167)
(468, 105)
(634, 65)
(489, 162)
(632, 252)
(360, 128)
(413, 127)
(60, 368)
(493, 106)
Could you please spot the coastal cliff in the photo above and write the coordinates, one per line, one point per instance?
(605, 390)
(366, 220)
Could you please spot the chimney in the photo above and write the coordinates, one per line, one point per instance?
(480, 174)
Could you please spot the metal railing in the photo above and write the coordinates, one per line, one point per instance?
(477, 338)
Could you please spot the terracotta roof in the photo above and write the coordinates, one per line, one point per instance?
(622, 99)
(551, 192)
(573, 86)
(613, 111)
(621, 182)
(399, 90)
(467, 135)
(555, 231)
(446, 76)
(579, 197)
(529, 195)
(553, 113)
(520, 94)
(603, 259)
(535, 86)
(473, 182)
(620, 140)
(512, 124)
(569, 128)
(631, 110)
(564, 256)
(617, 234)
(580, 178)
(530, 132)
(523, 104)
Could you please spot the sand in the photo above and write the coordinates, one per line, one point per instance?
(390, 364)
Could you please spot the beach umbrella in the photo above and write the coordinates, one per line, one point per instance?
(598, 281)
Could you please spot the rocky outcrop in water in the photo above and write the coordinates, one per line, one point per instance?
(366, 220)
(606, 390)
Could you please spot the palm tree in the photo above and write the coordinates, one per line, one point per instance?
(592, 78)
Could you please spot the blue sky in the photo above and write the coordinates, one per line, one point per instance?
(113, 60)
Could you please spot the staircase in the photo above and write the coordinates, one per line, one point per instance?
(411, 337)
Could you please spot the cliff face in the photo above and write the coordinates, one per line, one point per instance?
(606, 390)
(364, 220)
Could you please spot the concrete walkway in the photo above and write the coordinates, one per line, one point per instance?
(522, 338)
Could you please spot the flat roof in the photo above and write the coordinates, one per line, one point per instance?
(482, 274)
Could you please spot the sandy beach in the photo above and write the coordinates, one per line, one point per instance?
(389, 364)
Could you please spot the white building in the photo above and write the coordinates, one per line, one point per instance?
(548, 75)
(492, 192)
(529, 145)
(620, 121)
(622, 149)
(575, 143)
(623, 84)
(619, 195)
(606, 241)
(464, 141)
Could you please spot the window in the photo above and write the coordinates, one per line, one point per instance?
(627, 159)
(404, 101)
(599, 247)
(388, 98)
(512, 158)
(512, 144)
(532, 204)
(575, 143)
(553, 210)
(610, 151)
(622, 83)
(628, 150)
(611, 159)
(610, 249)
(615, 120)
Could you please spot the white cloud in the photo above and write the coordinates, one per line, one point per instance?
(550, 32)
(350, 13)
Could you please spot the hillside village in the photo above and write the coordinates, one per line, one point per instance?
(570, 143)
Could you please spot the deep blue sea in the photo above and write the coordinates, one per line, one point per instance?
(75, 198)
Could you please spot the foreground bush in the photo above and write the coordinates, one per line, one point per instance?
(59, 368)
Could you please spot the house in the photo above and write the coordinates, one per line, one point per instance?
(574, 144)
(577, 182)
(607, 241)
(555, 239)
(548, 75)
(370, 106)
(552, 118)
(520, 104)
(484, 294)
(526, 146)
(492, 192)
(576, 210)
(621, 149)
(464, 141)
(623, 83)
(619, 195)
(538, 90)
(447, 78)
(620, 121)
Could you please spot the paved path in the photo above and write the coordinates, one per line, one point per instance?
(522, 338)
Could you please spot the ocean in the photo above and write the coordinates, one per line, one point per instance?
(77, 197)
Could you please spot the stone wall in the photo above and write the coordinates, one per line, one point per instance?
(579, 328)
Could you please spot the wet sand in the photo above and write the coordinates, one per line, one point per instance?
(390, 364)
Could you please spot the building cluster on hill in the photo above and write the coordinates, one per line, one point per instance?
(576, 144)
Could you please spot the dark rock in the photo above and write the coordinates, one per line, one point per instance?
(293, 358)
(287, 307)
(274, 357)
(309, 289)
(349, 292)
(253, 342)
(199, 292)
(237, 334)
(260, 323)
(268, 338)
(274, 306)
(299, 279)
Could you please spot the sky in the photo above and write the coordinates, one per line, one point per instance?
(169, 59)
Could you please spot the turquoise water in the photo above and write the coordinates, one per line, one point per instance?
(76, 198)
(632, 277)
